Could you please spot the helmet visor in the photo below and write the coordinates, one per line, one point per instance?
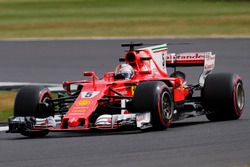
(123, 76)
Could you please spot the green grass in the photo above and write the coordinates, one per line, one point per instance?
(111, 18)
(246, 165)
(6, 105)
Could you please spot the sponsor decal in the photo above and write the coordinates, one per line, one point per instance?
(79, 110)
(209, 62)
(181, 89)
(84, 102)
(133, 89)
(144, 68)
(76, 114)
(124, 92)
(185, 57)
(80, 107)
(209, 66)
(210, 58)
(140, 118)
(143, 119)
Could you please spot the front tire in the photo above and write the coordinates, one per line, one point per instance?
(223, 95)
(155, 96)
(33, 101)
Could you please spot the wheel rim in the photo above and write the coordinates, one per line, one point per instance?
(46, 107)
(240, 97)
(166, 106)
(45, 101)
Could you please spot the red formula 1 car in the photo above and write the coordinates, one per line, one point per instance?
(140, 94)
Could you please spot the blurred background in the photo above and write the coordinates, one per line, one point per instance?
(119, 18)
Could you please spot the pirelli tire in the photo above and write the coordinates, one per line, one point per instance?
(33, 101)
(223, 96)
(156, 97)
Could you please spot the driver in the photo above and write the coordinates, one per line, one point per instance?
(124, 71)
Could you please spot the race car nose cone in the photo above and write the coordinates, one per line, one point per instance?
(73, 122)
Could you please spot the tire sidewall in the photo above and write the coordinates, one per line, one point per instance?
(147, 98)
(237, 110)
(220, 96)
(164, 121)
(28, 104)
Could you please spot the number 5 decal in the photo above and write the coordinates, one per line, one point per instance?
(89, 94)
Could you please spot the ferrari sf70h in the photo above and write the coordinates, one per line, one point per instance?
(139, 94)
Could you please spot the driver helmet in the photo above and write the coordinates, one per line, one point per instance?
(124, 71)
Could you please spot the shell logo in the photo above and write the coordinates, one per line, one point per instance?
(84, 102)
(133, 89)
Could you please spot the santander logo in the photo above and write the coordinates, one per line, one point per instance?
(185, 57)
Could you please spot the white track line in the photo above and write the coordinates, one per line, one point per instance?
(4, 128)
(17, 85)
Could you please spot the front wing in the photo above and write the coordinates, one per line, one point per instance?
(103, 122)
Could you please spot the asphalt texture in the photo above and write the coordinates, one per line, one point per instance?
(192, 142)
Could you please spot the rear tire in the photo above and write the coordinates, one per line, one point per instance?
(33, 101)
(155, 97)
(223, 96)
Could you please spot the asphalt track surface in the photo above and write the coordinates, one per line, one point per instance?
(192, 142)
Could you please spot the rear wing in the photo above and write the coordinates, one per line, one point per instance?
(192, 59)
(161, 60)
(187, 59)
